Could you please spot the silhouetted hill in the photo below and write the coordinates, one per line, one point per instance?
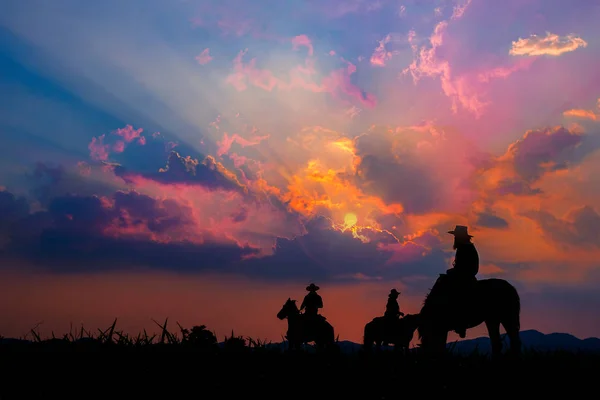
(534, 340)
(531, 339)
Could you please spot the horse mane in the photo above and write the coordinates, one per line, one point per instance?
(430, 298)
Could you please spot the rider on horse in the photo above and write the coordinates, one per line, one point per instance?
(392, 309)
(465, 268)
(311, 304)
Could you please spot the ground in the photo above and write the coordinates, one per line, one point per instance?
(100, 370)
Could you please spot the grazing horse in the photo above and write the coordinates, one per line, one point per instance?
(305, 329)
(401, 333)
(492, 301)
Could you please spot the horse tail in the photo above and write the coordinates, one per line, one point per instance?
(368, 336)
(514, 311)
(512, 319)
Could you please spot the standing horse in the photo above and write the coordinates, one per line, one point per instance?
(302, 330)
(401, 333)
(492, 301)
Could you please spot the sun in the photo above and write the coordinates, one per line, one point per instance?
(350, 220)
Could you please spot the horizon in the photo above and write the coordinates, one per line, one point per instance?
(205, 160)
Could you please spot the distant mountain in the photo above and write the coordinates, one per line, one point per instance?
(531, 339)
(534, 340)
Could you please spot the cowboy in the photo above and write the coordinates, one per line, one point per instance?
(312, 301)
(465, 268)
(392, 309)
(466, 259)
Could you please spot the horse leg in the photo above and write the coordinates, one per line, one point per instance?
(512, 331)
(493, 328)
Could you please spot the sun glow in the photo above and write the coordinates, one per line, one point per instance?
(350, 220)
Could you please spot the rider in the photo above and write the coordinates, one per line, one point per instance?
(465, 266)
(312, 301)
(392, 309)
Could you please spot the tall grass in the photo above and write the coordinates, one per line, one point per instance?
(198, 336)
(239, 365)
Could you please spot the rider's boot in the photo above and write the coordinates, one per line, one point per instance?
(462, 332)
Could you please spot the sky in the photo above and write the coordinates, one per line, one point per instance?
(205, 160)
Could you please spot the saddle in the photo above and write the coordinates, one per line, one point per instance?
(461, 288)
(311, 318)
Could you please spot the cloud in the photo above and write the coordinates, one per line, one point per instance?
(380, 55)
(580, 227)
(337, 82)
(303, 40)
(551, 45)
(490, 220)
(428, 62)
(579, 113)
(537, 153)
(83, 234)
(204, 57)
(208, 173)
(119, 139)
(424, 168)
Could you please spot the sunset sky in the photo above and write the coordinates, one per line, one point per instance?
(205, 160)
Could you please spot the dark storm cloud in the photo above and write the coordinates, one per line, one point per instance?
(71, 235)
(488, 219)
(75, 234)
(396, 178)
(581, 227)
(208, 173)
(541, 151)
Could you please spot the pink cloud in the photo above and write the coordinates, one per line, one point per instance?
(336, 83)
(428, 63)
(380, 54)
(100, 150)
(504, 72)
(303, 40)
(204, 57)
(227, 141)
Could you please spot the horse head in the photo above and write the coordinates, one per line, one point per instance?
(288, 309)
(433, 319)
(412, 322)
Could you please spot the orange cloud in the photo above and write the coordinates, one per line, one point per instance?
(551, 44)
(579, 113)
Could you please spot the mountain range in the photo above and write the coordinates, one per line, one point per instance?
(531, 339)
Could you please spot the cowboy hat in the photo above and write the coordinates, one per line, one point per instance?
(460, 230)
(394, 292)
(312, 287)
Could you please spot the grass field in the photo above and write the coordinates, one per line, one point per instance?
(110, 364)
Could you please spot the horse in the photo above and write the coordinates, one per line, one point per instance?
(377, 331)
(302, 330)
(492, 301)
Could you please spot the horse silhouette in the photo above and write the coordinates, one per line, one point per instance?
(304, 329)
(400, 333)
(492, 301)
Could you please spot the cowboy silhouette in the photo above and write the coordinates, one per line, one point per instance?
(465, 268)
(392, 309)
(312, 301)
